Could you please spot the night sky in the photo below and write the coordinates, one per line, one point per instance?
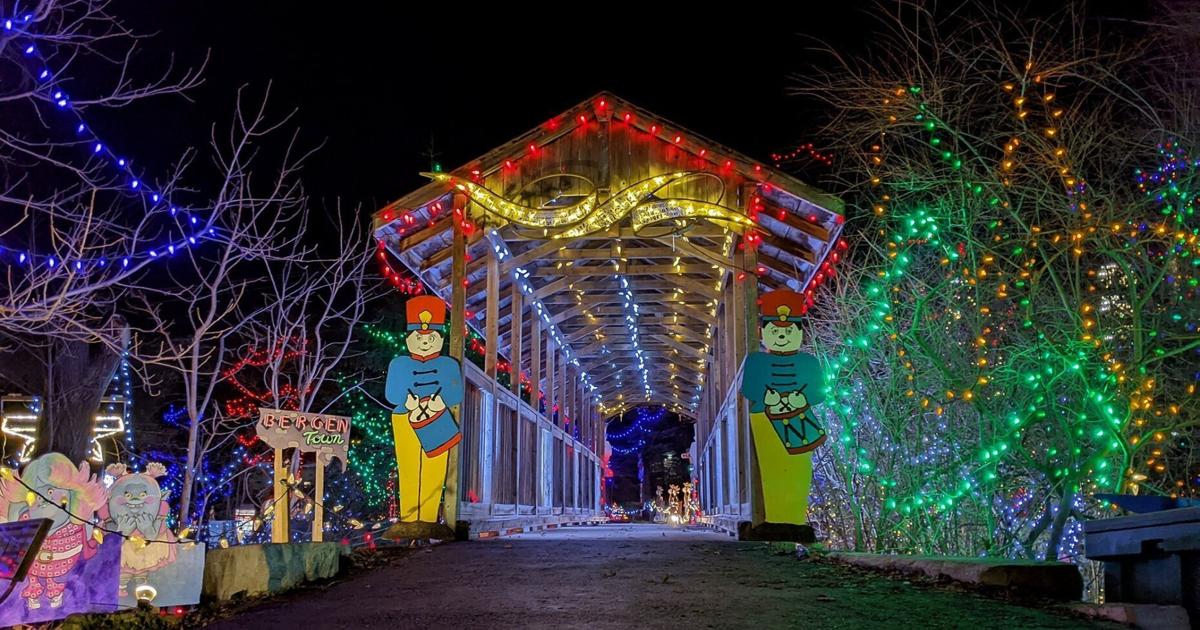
(375, 84)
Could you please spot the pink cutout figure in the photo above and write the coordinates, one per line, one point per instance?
(60, 490)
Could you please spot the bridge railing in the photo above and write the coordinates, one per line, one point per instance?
(517, 465)
(724, 460)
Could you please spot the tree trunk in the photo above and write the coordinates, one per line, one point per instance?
(189, 471)
(1060, 522)
(77, 376)
(1040, 526)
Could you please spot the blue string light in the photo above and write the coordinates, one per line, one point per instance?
(18, 30)
(175, 416)
(642, 424)
(126, 387)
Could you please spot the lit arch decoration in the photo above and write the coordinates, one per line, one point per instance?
(588, 215)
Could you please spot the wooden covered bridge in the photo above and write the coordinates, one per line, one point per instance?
(606, 259)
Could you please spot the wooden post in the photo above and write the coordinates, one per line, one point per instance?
(458, 338)
(573, 388)
(318, 524)
(517, 327)
(750, 299)
(281, 503)
(581, 405)
(491, 361)
(728, 360)
(535, 361)
(736, 323)
(551, 395)
(750, 324)
(564, 399)
(599, 432)
(492, 323)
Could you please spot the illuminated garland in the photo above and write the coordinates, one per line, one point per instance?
(645, 421)
(517, 213)
(372, 453)
(402, 282)
(288, 397)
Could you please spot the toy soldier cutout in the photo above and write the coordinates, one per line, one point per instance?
(423, 386)
(781, 385)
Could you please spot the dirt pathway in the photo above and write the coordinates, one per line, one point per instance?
(629, 576)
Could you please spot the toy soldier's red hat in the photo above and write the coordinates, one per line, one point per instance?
(781, 307)
(426, 313)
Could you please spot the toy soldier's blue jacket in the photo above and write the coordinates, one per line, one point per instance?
(424, 378)
(785, 373)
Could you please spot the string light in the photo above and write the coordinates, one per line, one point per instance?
(49, 85)
(804, 150)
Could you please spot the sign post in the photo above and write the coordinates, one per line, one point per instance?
(279, 525)
(318, 524)
(325, 435)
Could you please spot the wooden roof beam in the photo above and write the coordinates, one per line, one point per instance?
(695, 353)
(622, 268)
(444, 255)
(702, 230)
(789, 246)
(771, 209)
(640, 284)
(534, 254)
(691, 334)
(416, 238)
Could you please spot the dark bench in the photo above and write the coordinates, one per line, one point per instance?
(1151, 558)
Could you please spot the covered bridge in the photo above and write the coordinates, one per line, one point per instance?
(605, 259)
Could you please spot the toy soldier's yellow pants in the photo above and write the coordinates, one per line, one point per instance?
(421, 478)
(786, 478)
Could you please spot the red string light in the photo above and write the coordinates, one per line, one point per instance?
(827, 270)
(403, 283)
(804, 150)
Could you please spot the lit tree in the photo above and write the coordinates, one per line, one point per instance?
(1017, 327)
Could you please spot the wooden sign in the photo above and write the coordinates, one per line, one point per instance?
(781, 384)
(327, 436)
(310, 432)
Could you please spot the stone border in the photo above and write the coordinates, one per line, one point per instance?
(1027, 578)
(1144, 616)
(251, 570)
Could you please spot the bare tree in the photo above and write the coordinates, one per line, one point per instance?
(79, 224)
(193, 324)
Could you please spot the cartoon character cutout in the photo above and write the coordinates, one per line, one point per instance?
(781, 385)
(136, 508)
(423, 386)
(55, 489)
